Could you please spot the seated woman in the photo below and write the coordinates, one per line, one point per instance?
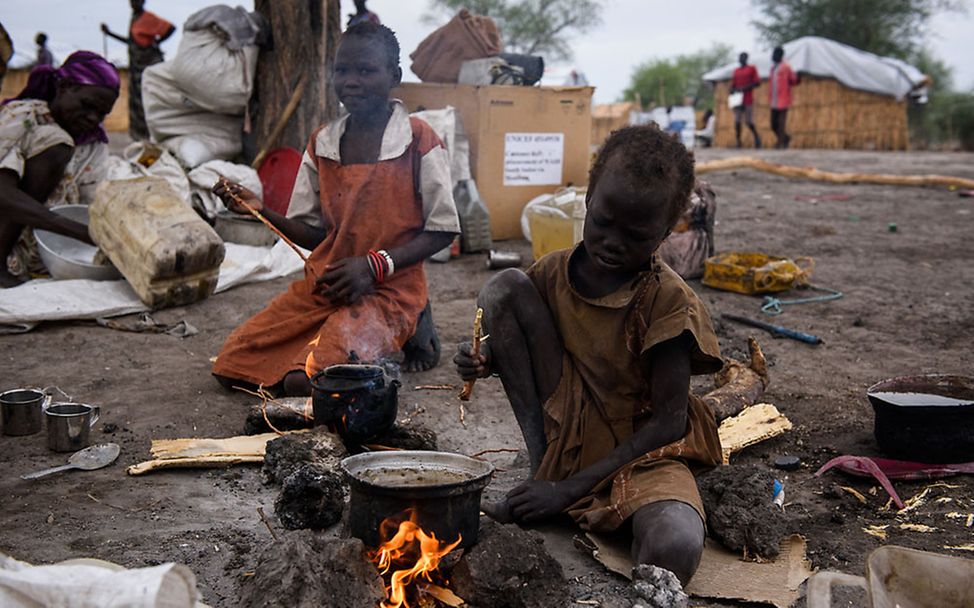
(51, 143)
(372, 200)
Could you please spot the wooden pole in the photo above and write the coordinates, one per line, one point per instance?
(304, 40)
(811, 173)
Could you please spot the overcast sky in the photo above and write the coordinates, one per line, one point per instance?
(632, 31)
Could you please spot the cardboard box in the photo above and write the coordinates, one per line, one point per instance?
(524, 141)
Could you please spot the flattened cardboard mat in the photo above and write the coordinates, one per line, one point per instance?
(722, 574)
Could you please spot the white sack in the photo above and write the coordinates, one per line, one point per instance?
(204, 177)
(165, 166)
(190, 132)
(214, 77)
(89, 583)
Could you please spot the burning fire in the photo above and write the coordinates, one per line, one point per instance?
(415, 552)
(310, 365)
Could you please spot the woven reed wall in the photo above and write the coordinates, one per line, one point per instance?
(606, 118)
(824, 114)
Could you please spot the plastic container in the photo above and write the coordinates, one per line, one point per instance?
(901, 577)
(753, 273)
(168, 254)
(554, 221)
(474, 218)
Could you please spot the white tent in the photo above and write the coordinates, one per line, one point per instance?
(854, 68)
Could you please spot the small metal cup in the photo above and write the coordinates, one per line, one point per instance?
(69, 425)
(22, 410)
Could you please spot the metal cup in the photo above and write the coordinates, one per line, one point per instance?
(69, 425)
(22, 410)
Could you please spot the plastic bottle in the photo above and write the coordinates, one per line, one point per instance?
(474, 217)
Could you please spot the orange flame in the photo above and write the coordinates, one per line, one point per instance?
(310, 365)
(409, 542)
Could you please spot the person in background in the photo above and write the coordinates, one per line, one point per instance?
(44, 56)
(706, 135)
(781, 79)
(52, 146)
(745, 80)
(6, 51)
(146, 31)
(362, 14)
(576, 79)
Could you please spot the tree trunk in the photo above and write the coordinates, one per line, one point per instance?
(304, 40)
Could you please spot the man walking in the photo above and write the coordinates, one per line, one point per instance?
(744, 81)
(781, 79)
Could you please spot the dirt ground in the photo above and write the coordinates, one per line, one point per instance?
(906, 310)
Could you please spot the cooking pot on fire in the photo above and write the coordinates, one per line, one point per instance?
(927, 418)
(439, 490)
(359, 401)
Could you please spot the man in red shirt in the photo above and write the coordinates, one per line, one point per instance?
(146, 31)
(745, 80)
(780, 81)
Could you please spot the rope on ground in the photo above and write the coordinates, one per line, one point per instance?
(749, 162)
(772, 305)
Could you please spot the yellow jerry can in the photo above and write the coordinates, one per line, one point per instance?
(753, 273)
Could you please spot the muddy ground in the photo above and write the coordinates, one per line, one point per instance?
(907, 310)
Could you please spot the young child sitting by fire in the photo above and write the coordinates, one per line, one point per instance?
(595, 347)
(372, 200)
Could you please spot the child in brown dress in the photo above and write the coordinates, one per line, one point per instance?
(595, 347)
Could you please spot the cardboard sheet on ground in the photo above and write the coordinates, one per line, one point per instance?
(722, 574)
(204, 452)
(753, 425)
(23, 307)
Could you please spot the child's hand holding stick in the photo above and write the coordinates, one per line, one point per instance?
(475, 352)
(224, 187)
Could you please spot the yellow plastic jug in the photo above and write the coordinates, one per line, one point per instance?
(555, 220)
(168, 254)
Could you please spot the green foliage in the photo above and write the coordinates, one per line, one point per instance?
(894, 28)
(533, 27)
(667, 82)
(947, 120)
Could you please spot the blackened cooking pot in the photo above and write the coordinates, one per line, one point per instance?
(928, 418)
(442, 488)
(359, 401)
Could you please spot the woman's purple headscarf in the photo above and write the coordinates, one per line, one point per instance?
(81, 67)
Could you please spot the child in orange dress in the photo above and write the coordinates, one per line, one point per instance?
(372, 200)
(595, 347)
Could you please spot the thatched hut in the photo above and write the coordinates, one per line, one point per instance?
(607, 117)
(847, 98)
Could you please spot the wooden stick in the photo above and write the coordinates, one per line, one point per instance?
(289, 109)
(748, 162)
(263, 219)
(263, 518)
(468, 385)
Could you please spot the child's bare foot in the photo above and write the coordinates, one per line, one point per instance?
(422, 351)
(499, 511)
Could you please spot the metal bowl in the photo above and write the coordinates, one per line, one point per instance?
(68, 258)
(243, 229)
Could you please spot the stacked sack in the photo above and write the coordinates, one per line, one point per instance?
(195, 104)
